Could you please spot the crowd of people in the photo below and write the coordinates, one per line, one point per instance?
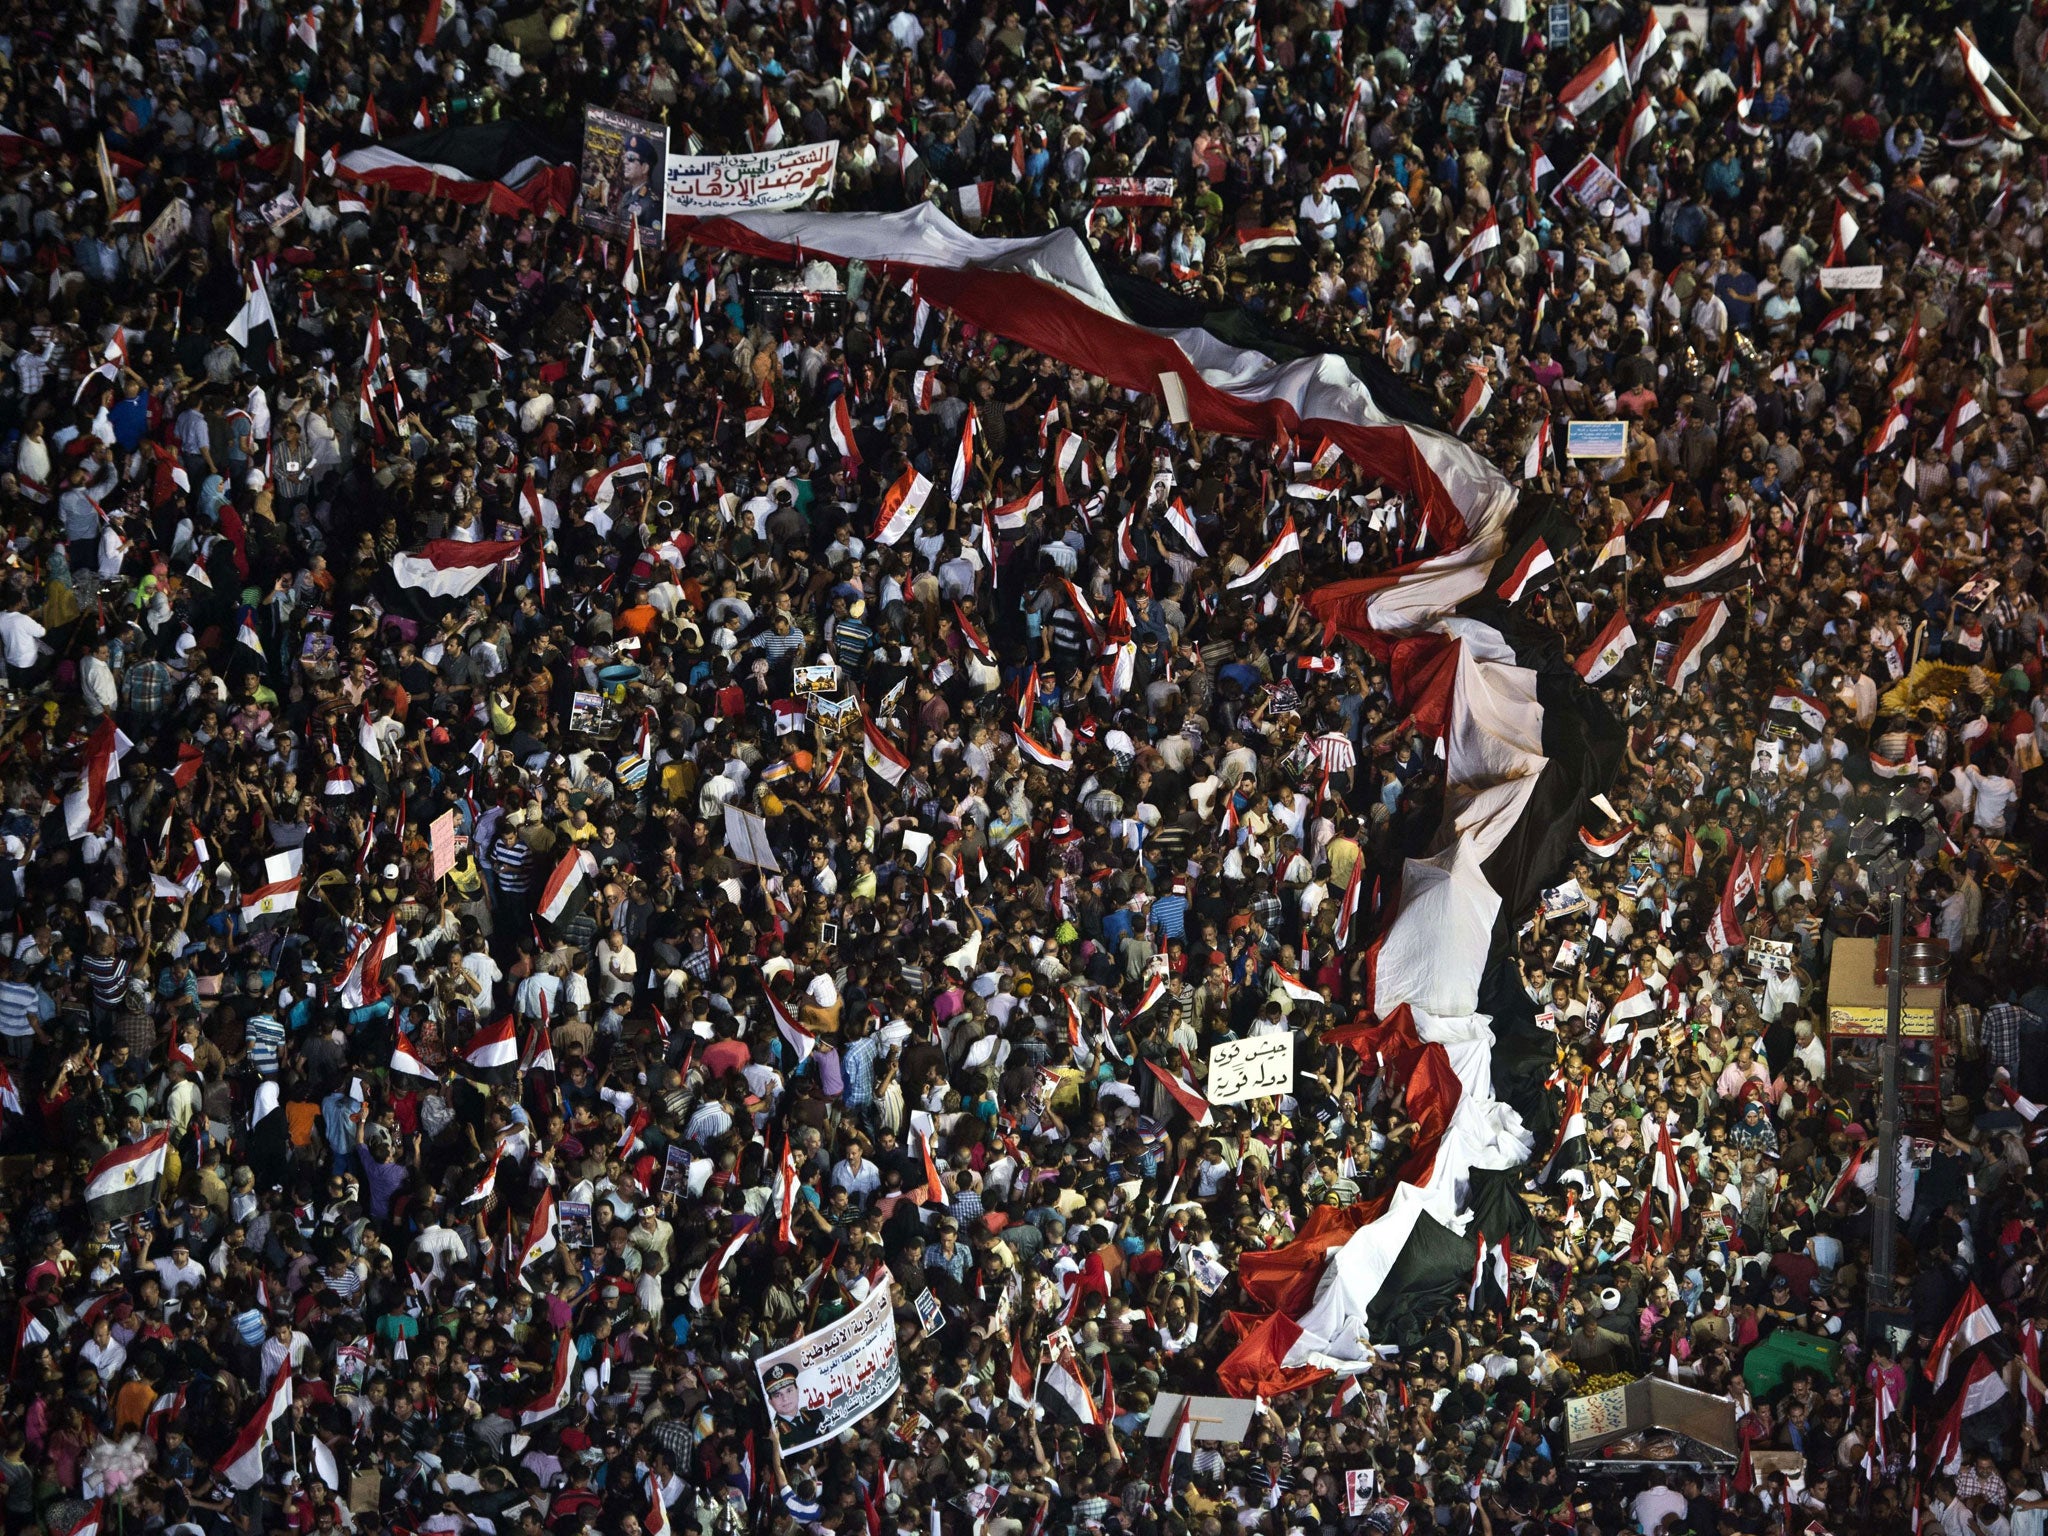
(458, 1018)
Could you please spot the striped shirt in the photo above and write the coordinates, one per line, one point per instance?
(266, 1042)
(513, 860)
(109, 977)
(1334, 751)
(19, 1007)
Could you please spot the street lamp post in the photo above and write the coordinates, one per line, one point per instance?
(1884, 1221)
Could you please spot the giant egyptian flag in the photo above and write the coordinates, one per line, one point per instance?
(506, 166)
(452, 567)
(1525, 744)
(1046, 293)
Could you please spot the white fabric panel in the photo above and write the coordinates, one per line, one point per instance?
(1418, 601)
(1434, 953)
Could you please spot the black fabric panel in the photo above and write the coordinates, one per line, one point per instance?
(484, 151)
(1153, 306)
(1523, 1051)
(1431, 1275)
(1496, 1204)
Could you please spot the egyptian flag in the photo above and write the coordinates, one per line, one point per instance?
(255, 316)
(1969, 1324)
(840, 424)
(1610, 649)
(885, 760)
(1842, 317)
(543, 1235)
(963, 461)
(88, 1522)
(561, 1384)
(126, 1180)
(1992, 93)
(1538, 453)
(1888, 431)
(1691, 653)
(800, 1040)
(1012, 516)
(406, 1062)
(976, 198)
(1485, 237)
(270, 904)
(1177, 519)
(1802, 711)
(1297, 989)
(1478, 396)
(704, 1284)
(901, 505)
(85, 808)
(1715, 568)
(1569, 1149)
(1961, 414)
(934, 1186)
(1665, 1175)
(1585, 91)
(1192, 1103)
(1035, 751)
(1895, 767)
(242, 1465)
(1155, 989)
(566, 890)
(761, 412)
(452, 567)
(10, 1093)
(1977, 1385)
(1347, 910)
(1606, 845)
(786, 1186)
(1022, 1387)
(1724, 929)
(1528, 564)
(1288, 543)
(1654, 510)
(1648, 44)
(495, 1045)
(1063, 1391)
(362, 979)
(1847, 1176)
(1636, 128)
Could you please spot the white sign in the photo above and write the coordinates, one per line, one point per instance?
(1596, 440)
(1834, 278)
(1261, 1067)
(703, 185)
(834, 1377)
(746, 839)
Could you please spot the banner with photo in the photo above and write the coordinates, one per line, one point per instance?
(833, 1377)
(704, 186)
(624, 159)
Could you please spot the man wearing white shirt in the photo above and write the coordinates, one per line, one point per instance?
(19, 635)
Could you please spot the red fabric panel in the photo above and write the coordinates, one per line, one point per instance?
(1425, 673)
(1254, 1368)
(1284, 1278)
(1432, 1092)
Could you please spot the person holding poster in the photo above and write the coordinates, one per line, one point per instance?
(623, 163)
(832, 1377)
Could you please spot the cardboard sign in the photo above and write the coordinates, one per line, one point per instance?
(1839, 279)
(1261, 1067)
(441, 843)
(701, 185)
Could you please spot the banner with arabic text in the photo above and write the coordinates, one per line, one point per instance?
(833, 1376)
(703, 186)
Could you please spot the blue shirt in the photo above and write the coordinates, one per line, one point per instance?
(1170, 916)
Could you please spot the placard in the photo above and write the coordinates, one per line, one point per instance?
(1596, 440)
(1261, 1067)
(931, 1316)
(1839, 279)
(624, 159)
(1224, 1419)
(833, 1377)
(165, 234)
(1134, 191)
(441, 843)
(1600, 1414)
(1588, 184)
(573, 1220)
(746, 838)
(701, 185)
